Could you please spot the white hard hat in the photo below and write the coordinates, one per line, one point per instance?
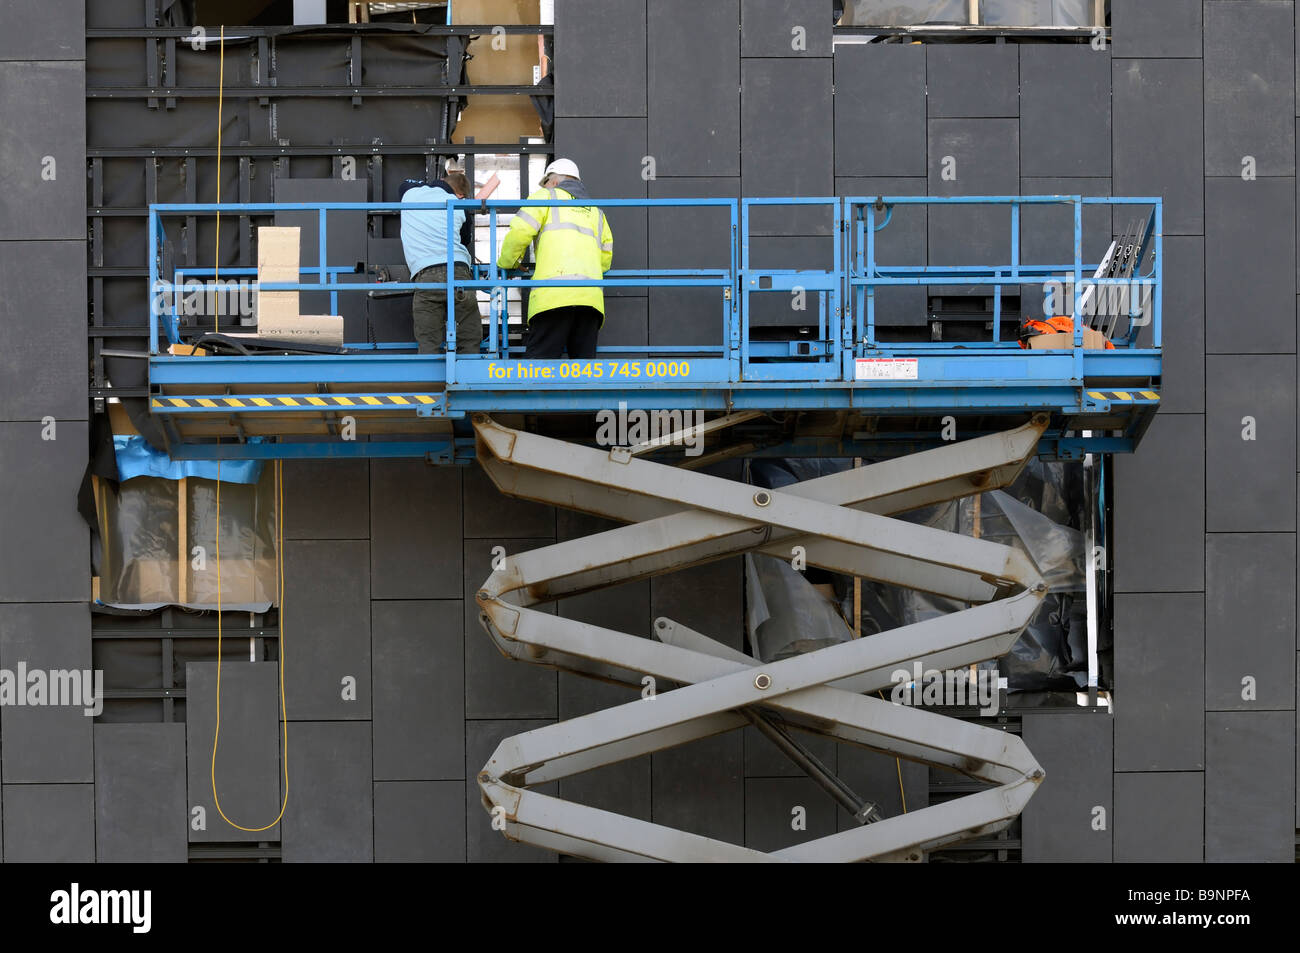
(565, 167)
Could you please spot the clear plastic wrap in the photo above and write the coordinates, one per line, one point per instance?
(1034, 515)
(896, 13)
(147, 563)
(784, 614)
(1078, 13)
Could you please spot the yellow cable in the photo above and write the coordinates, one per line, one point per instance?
(279, 528)
(898, 764)
(221, 89)
(284, 719)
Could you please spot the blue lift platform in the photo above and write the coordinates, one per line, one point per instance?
(936, 420)
(839, 390)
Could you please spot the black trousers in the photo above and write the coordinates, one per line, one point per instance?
(573, 328)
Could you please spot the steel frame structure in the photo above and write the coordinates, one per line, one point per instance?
(678, 518)
(1101, 400)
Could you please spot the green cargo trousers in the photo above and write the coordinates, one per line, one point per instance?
(429, 313)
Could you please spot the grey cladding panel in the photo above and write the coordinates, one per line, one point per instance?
(774, 806)
(415, 529)
(764, 760)
(43, 141)
(1064, 110)
(972, 81)
(332, 808)
(694, 87)
(972, 157)
(1183, 326)
(497, 687)
(689, 238)
(489, 512)
(1250, 251)
(346, 233)
(1047, 231)
(1250, 786)
(50, 742)
(895, 786)
(38, 492)
(797, 28)
(802, 253)
(1075, 750)
(610, 154)
(43, 30)
(49, 823)
(902, 242)
(140, 813)
(1159, 672)
(248, 768)
(1153, 28)
(483, 844)
(1250, 620)
(1250, 92)
(699, 788)
(600, 58)
(707, 598)
(420, 821)
(1160, 522)
(1160, 818)
(420, 665)
(327, 499)
(42, 328)
(785, 113)
(327, 593)
(1248, 481)
(626, 321)
(880, 110)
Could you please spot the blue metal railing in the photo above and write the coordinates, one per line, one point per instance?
(845, 291)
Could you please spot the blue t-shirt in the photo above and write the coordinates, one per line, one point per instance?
(424, 231)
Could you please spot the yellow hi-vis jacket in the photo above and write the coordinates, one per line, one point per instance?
(571, 243)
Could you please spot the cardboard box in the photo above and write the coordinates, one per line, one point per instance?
(489, 118)
(323, 329)
(1092, 341)
(277, 311)
(277, 260)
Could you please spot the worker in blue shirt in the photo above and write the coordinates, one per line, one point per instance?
(424, 242)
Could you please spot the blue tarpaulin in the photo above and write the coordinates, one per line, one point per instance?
(135, 458)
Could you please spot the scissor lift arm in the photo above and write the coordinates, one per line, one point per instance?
(678, 518)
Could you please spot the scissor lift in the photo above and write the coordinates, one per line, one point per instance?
(841, 392)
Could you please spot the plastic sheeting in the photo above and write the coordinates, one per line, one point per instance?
(784, 614)
(787, 615)
(136, 458)
(148, 563)
(1077, 13)
(894, 13)
(1030, 13)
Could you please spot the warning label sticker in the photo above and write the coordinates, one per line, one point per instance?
(886, 369)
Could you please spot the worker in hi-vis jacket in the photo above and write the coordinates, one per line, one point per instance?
(572, 243)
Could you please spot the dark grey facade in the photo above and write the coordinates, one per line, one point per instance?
(1193, 101)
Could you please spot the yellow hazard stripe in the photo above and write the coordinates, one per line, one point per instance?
(329, 400)
(1120, 395)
